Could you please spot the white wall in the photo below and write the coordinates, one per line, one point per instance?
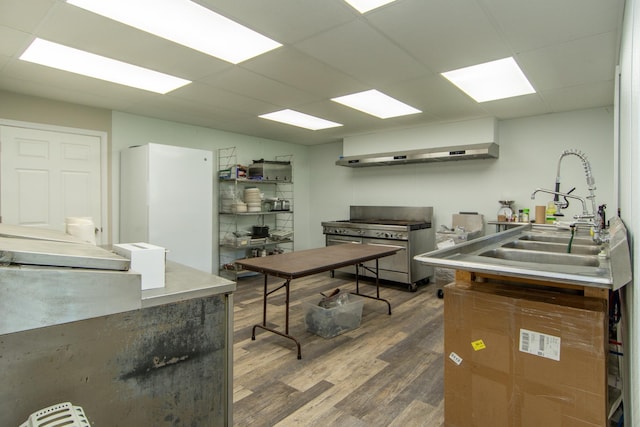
(630, 195)
(529, 153)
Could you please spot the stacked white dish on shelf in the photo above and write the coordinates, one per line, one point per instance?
(253, 199)
(238, 207)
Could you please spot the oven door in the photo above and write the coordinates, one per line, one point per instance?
(395, 267)
(336, 239)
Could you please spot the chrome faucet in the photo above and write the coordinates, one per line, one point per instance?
(591, 182)
(585, 211)
(596, 219)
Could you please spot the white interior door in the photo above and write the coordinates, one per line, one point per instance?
(46, 176)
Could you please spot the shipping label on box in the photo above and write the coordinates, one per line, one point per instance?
(146, 259)
(538, 344)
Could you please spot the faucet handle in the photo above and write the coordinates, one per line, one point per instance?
(602, 216)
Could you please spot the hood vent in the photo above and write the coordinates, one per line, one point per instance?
(439, 154)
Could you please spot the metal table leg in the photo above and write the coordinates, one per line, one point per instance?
(264, 326)
(377, 297)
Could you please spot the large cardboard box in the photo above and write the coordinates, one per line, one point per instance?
(523, 357)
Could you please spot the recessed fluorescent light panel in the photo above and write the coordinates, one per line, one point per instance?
(65, 58)
(364, 6)
(302, 120)
(491, 81)
(186, 23)
(377, 104)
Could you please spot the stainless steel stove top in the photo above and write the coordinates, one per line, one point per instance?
(381, 222)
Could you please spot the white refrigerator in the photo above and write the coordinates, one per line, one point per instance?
(166, 199)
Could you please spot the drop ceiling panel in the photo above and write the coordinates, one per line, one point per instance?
(45, 90)
(363, 53)
(533, 24)
(580, 61)
(294, 68)
(435, 95)
(443, 35)
(252, 85)
(579, 97)
(13, 42)
(517, 106)
(204, 94)
(24, 15)
(285, 21)
(166, 107)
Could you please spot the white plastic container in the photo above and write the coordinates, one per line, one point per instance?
(82, 228)
(146, 259)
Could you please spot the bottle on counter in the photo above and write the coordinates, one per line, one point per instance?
(550, 214)
(525, 215)
(520, 215)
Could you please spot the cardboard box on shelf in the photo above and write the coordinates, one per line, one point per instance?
(517, 356)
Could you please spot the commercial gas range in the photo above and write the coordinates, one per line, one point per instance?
(408, 228)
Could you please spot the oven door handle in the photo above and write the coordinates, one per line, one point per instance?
(358, 242)
(388, 246)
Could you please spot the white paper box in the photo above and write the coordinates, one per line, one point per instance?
(146, 259)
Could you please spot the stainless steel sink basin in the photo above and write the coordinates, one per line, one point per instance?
(539, 252)
(543, 246)
(586, 241)
(538, 257)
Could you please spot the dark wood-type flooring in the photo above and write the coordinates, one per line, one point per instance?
(387, 372)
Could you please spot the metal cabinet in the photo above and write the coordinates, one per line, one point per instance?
(167, 363)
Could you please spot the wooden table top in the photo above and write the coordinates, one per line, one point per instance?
(296, 264)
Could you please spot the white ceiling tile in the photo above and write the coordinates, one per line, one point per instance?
(294, 68)
(517, 106)
(362, 53)
(285, 21)
(579, 97)
(530, 25)
(435, 95)
(24, 15)
(213, 96)
(13, 42)
(255, 86)
(580, 61)
(443, 35)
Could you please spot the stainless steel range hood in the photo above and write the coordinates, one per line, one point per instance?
(459, 152)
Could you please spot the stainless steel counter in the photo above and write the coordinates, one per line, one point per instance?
(538, 251)
(48, 278)
(76, 327)
(184, 283)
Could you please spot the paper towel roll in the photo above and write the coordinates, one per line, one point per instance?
(81, 227)
(541, 212)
